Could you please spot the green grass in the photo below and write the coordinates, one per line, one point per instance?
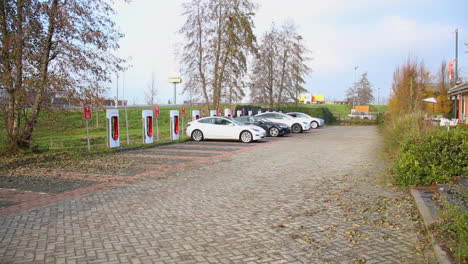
(342, 111)
(61, 130)
(66, 130)
(334, 108)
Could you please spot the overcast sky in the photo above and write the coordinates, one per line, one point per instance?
(375, 35)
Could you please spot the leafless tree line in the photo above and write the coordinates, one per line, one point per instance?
(280, 66)
(219, 41)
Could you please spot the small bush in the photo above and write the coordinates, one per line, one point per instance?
(398, 128)
(453, 230)
(435, 157)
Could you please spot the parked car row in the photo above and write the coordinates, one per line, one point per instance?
(252, 128)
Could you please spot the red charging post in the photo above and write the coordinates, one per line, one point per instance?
(203, 112)
(157, 114)
(87, 115)
(182, 112)
(219, 113)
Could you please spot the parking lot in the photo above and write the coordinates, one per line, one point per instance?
(307, 198)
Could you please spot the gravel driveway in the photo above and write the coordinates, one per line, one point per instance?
(308, 198)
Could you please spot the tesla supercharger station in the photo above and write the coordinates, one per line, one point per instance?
(195, 115)
(147, 116)
(250, 113)
(212, 112)
(174, 115)
(113, 136)
(227, 112)
(239, 113)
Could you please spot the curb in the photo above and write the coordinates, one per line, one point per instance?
(429, 219)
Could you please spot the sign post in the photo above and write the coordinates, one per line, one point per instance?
(175, 81)
(87, 116)
(157, 114)
(182, 124)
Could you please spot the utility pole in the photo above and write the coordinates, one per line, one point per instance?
(378, 96)
(117, 93)
(125, 105)
(354, 85)
(456, 56)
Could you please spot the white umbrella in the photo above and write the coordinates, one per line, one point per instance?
(430, 100)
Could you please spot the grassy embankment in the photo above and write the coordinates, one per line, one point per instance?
(66, 130)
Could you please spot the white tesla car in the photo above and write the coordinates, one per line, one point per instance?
(297, 125)
(223, 128)
(314, 121)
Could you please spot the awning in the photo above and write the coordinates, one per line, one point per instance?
(461, 88)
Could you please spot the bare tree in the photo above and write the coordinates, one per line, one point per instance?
(361, 92)
(151, 92)
(410, 83)
(444, 104)
(280, 68)
(48, 48)
(218, 38)
(264, 76)
(196, 49)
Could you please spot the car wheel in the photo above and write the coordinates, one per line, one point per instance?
(246, 137)
(296, 128)
(197, 135)
(314, 124)
(274, 131)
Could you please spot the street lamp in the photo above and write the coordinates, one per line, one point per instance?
(354, 95)
(355, 71)
(175, 81)
(298, 38)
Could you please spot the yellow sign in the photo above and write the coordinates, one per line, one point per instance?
(319, 97)
(174, 80)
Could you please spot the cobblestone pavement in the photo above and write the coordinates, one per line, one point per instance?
(310, 198)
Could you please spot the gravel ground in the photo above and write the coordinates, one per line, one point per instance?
(309, 198)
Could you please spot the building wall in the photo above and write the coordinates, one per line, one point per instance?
(463, 108)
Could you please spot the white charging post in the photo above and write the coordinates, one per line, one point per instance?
(212, 113)
(147, 116)
(174, 115)
(113, 135)
(227, 112)
(239, 113)
(250, 113)
(195, 115)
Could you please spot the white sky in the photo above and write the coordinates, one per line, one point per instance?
(376, 35)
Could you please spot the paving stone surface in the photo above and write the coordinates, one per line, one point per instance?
(203, 148)
(39, 184)
(311, 198)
